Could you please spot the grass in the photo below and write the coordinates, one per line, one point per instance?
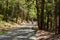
(3, 23)
(6, 25)
(3, 31)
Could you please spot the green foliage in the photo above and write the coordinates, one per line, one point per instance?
(14, 9)
(2, 32)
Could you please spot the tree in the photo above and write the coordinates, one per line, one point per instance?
(40, 13)
(17, 14)
(58, 15)
(6, 11)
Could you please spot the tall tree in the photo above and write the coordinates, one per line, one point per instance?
(17, 15)
(40, 13)
(58, 15)
(55, 14)
(6, 12)
(28, 7)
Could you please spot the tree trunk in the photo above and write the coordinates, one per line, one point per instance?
(40, 16)
(58, 14)
(55, 16)
(6, 12)
(17, 16)
(38, 13)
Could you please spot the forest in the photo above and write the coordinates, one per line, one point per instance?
(46, 14)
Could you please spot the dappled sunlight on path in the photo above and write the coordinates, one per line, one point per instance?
(44, 35)
(22, 33)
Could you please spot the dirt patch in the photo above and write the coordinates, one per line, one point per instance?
(8, 26)
(43, 35)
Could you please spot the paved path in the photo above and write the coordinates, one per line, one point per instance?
(23, 33)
